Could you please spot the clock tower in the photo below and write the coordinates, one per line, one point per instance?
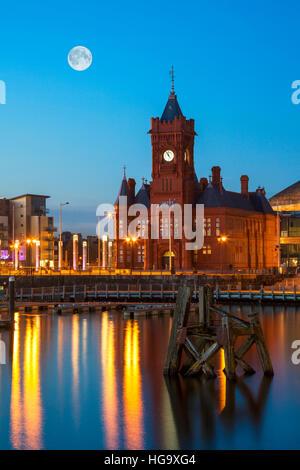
(172, 138)
(173, 174)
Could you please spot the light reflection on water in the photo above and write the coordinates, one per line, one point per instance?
(95, 381)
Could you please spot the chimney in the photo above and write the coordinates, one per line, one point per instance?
(131, 186)
(216, 176)
(244, 185)
(203, 183)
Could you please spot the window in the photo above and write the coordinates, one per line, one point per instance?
(164, 227)
(206, 250)
(140, 254)
(218, 227)
(121, 253)
(207, 227)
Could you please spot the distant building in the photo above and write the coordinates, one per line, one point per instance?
(67, 239)
(31, 226)
(92, 250)
(239, 228)
(287, 203)
(4, 231)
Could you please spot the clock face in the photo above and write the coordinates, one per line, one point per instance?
(168, 155)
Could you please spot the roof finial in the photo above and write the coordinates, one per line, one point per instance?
(143, 181)
(172, 79)
(124, 174)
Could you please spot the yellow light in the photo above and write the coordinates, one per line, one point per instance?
(16, 245)
(128, 239)
(223, 239)
(134, 239)
(28, 241)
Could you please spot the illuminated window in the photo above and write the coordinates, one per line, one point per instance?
(206, 250)
(207, 227)
(140, 254)
(218, 227)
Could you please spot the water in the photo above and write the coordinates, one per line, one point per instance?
(95, 382)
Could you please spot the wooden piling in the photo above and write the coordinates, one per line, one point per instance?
(179, 319)
(201, 341)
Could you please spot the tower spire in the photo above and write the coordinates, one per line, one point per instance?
(124, 173)
(172, 80)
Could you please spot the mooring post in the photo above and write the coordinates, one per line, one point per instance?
(11, 294)
(261, 345)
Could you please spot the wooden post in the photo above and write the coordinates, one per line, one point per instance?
(11, 294)
(202, 306)
(209, 302)
(261, 344)
(180, 315)
(228, 345)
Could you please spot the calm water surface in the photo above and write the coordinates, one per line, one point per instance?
(95, 382)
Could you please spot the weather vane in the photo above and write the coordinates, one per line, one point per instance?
(172, 78)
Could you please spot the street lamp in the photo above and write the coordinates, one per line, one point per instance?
(131, 241)
(222, 239)
(60, 244)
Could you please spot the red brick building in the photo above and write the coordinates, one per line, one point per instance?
(239, 228)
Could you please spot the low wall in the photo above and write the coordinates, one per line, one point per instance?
(167, 280)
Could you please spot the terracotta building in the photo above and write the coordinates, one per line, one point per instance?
(239, 228)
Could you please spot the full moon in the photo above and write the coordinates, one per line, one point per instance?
(80, 58)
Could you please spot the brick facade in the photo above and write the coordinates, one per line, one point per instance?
(245, 220)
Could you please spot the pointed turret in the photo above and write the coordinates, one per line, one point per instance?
(172, 108)
(124, 190)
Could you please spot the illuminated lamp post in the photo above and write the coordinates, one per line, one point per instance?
(16, 254)
(37, 255)
(75, 252)
(84, 251)
(131, 241)
(60, 243)
(105, 245)
(104, 251)
(222, 240)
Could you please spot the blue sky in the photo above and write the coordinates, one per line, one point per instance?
(68, 134)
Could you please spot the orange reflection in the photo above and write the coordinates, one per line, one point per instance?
(110, 399)
(26, 407)
(222, 382)
(133, 404)
(75, 365)
(15, 402)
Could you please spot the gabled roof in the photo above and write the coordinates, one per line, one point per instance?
(172, 109)
(213, 196)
